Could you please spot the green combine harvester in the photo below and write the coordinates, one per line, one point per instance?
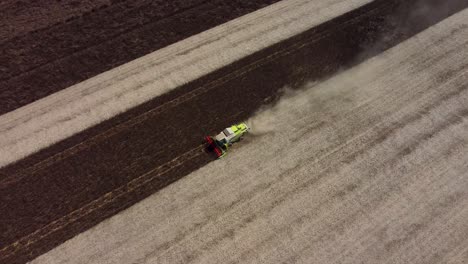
(221, 142)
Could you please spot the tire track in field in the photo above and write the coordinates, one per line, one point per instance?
(134, 184)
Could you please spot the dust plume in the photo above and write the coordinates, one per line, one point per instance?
(266, 119)
(409, 18)
(294, 103)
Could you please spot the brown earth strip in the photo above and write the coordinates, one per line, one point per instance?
(20, 17)
(47, 193)
(77, 49)
(62, 40)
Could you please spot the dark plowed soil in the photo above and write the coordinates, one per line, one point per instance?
(21, 17)
(66, 189)
(49, 59)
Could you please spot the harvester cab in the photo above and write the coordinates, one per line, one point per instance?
(220, 143)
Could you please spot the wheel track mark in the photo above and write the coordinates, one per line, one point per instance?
(100, 202)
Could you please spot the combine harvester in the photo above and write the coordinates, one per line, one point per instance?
(221, 142)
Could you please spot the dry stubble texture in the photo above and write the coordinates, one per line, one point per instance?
(367, 167)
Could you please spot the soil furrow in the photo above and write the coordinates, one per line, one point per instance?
(53, 190)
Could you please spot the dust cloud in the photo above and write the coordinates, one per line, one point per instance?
(267, 118)
(410, 17)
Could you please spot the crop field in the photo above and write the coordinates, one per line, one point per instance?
(377, 174)
(72, 44)
(358, 113)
